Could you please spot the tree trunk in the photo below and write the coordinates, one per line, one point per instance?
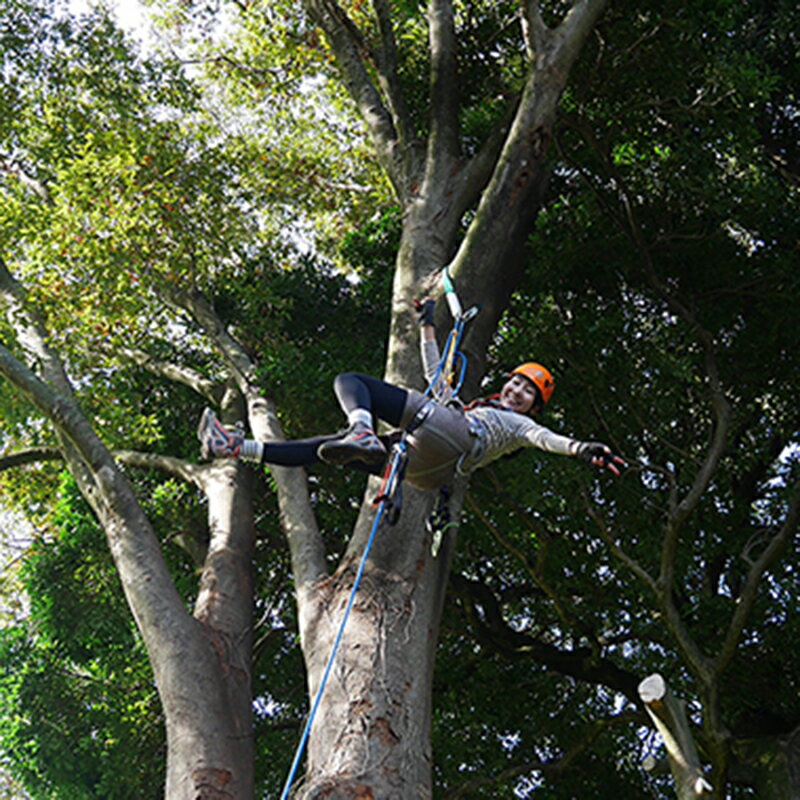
(209, 728)
(201, 664)
(371, 737)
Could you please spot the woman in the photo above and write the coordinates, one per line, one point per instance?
(444, 439)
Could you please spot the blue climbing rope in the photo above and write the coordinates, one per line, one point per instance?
(446, 369)
(359, 573)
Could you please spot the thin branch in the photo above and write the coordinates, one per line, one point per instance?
(297, 515)
(387, 64)
(30, 455)
(722, 416)
(662, 593)
(634, 566)
(747, 597)
(205, 316)
(689, 503)
(210, 390)
(534, 31)
(177, 467)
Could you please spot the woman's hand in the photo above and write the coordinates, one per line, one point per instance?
(599, 455)
(424, 309)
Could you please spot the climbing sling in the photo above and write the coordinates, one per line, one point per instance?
(444, 386)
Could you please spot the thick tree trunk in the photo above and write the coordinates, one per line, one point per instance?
(209, 729)
(371, 737)
(203, 664)
(371, 734)
(209, 737)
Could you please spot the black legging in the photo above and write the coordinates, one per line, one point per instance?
(385, 400)
(353, 390)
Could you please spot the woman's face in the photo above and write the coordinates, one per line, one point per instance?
(519, 394)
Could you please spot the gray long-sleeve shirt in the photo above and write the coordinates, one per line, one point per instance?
(503, 430)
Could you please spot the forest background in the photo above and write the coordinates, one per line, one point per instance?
(230, 219)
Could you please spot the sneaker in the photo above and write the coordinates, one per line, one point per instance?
(217, 441)
(359, 444)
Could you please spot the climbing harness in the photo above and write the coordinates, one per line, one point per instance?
(443, 387)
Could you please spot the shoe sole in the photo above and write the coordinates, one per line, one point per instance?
(339, 454)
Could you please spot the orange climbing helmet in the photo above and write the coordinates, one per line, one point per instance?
(539, 376)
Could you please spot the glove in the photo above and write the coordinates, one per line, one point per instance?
(599, 455)
(425, 310)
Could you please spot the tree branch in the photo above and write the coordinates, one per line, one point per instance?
(388, 77)
(685, 507)
(444, 88)
(663, 594)
(176, 467)
(722, 415)
(721, 410)
(580, 20)
(149, 587)
(297, 516)
(519, 177)
(31, 455)
(34, 185)
(348, 49)
(486, 616)
(208, 389)
(32, 335)
(747, 597)
(203, 313)
(633, 565)
(534, 30)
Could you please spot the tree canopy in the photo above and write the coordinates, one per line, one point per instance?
(159, 216)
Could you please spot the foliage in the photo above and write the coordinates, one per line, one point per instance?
(673, 200)
(141, 201)
(76, 689)
(671, 210)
